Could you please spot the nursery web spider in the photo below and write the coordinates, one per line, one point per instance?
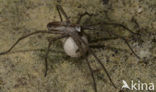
(75, 41)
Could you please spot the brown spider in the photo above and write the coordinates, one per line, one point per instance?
(75, 41)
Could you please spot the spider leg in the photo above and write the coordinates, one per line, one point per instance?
(91, 72)
(79, 43)
(91, 27)
(48, 49)
(99, 61)
(121, 25)
(102, 39)
(46, 57)
(82, 15)
(60, 9)
(59, 14)
(130, 48)
(33, 50)
(127, 44)
(104, 68)
(23, 37)
(117, 36)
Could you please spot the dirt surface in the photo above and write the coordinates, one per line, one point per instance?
(22, 70)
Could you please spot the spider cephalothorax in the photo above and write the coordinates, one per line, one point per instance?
(63, 26)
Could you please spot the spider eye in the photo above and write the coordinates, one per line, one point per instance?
(78, 29)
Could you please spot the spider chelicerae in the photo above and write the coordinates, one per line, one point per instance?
(75, 42)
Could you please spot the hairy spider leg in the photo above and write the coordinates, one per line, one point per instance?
(23, 37)
(48, 49)
(92, 74)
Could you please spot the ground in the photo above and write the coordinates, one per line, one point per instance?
(22, 70)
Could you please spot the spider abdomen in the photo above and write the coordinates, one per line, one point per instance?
(71, 48)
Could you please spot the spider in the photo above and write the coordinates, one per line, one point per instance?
(75, 41)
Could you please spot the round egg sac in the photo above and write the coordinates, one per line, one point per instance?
(71, 48)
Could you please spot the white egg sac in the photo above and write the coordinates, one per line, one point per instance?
(71, 48)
